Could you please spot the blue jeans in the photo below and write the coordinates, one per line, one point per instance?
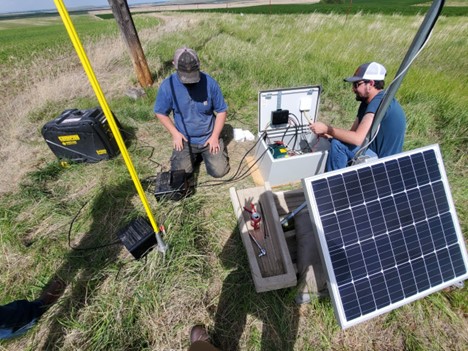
(217, 165)
(17, 317)
(341, 153)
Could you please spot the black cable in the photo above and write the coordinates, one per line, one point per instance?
(295, 117)
(297, 130)
(240, 162)
(232, 180)
(285, 132)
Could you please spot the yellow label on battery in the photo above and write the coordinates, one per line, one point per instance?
(283, 150)
(66, 143)
(101, 152)
(73, 137)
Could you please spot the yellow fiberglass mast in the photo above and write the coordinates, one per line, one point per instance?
(109, 116)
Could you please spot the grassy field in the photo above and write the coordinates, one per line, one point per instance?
(402, 7)
(51, 217)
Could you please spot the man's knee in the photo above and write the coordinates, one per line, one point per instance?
(337, 156)
(218, 170)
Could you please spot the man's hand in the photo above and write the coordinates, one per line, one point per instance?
(214, 144)
(320, 128)
(178, 141)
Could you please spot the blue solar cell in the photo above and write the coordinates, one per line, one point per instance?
(407, 172)
(407, 279)
(371, 258)
(367, 184)
(433, 170)
(347, 227)
(348, 298)
(420, 274)
(440, 197)
(405, 214)
(413, 242)
(365, 296)
(342, 270)
(332, 232)
(433, 268)
(390, 216)
(420, 169)
(457, 260)
(393, 280)
(446, 263)
(394, 175)
(390, 232)
(376, 216)
(416, 204)
(339, 195)
(398, 243)
(356, 262)
(427, 196)
(425, 237)
(450, 233)
(363, 226)
(353, 189)
(437, 233)
(384, 248)
(322, 194)
(380, 290)
(381, 180)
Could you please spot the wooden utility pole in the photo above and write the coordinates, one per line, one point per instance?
(129, 34)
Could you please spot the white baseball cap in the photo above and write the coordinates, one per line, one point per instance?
(368, 71)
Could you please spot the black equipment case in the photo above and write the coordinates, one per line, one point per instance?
(81, 136)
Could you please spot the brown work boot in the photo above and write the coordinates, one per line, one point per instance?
(198, 333)
(51, 293)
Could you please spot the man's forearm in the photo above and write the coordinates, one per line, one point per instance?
(167, 123)
(219, 124)
(346, 136)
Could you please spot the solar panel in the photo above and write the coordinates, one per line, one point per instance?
(388, 233)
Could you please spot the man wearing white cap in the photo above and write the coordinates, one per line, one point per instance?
(199, 110)
(368, 84)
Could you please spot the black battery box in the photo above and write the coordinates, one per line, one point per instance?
(172, 185)
(138, 237)
(81, 136)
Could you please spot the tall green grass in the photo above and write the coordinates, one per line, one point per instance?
(21, 43)
(345, 7)
(114, 302)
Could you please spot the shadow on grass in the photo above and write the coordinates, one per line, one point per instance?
(276, 309)
(83, 270)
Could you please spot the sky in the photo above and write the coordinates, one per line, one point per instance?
(40, 5)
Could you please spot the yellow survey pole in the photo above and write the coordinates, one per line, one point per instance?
(107, 112)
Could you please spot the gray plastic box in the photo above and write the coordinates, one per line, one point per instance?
(307, 154)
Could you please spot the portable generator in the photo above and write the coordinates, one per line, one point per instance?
(81, 136)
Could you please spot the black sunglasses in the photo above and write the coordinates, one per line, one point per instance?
(359, 83)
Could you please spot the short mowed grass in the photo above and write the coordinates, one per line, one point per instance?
(64, 221)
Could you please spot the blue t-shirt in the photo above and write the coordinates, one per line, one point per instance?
(192, 105)
(391, 135)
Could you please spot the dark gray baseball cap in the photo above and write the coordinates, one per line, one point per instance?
(187, 64)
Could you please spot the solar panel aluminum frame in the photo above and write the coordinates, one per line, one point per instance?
(318, 230)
